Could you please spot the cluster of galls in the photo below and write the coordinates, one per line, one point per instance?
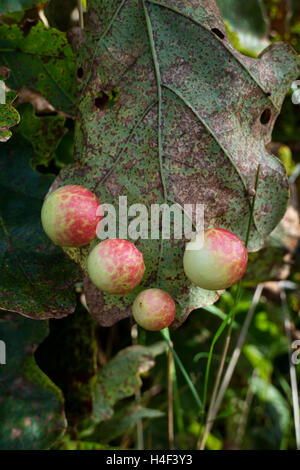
(71, 216)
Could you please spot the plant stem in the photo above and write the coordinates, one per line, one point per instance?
(173, 386)
(170, 401)
(244, 418)
(139, 424)
(178, 408)
(166, 337)
(215, 339)
(215, 390)
(234, 359)
(293, 376)
(80, 9)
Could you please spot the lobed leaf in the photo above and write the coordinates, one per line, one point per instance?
(170, 112)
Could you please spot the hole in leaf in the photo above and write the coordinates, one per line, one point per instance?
(269, 93)
(80, 72)
(265, 117)
(218, 33)
(106, 100)
(101, 100)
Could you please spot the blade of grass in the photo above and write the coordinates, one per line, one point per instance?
(170, 396)
(178, 408)
(166, 336)
(217, 312)
(210, 355)
(235, 356)
(293, 375)
(170, 401)
(139, 424)
(176, 397)
(80, 10)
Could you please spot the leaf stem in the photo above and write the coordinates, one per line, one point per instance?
(170, 400)
(172, 376)
(231, 366)
(159, 97)
(80, 10)
(166, 336)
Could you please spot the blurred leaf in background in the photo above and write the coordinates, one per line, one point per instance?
(36, 279)
(32, 407)
(247, 24)
(41, 59)
(10, 6)
(120, 377)
(44, 132)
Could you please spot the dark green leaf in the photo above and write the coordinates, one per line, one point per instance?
(36, 279)
(249, 21)
(122, 422)
(43, 59)
(9, 6)
(270, 394)
(44, 133)
(31, 411)
(72, 364)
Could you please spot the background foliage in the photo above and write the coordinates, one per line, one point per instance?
(72, 382)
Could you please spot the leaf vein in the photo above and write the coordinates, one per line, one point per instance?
(229, 49)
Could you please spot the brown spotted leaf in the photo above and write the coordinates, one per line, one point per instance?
(171, 113)
(9, 117)
(120, 377)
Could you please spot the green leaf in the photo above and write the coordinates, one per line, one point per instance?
(186, 129)
(31, 411)
(64, 154)
(42, 59)
(119, 378)
(11, 96)
(270, 394)
(122, 422)
(260, 363)
(72, 363)
(36, 279)
(69, 444)
(273, 261)
(218, 313)
(212, 443)
(267, 264)
(9, 117)
(44, 133)
(9, 6)
(249, 21)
